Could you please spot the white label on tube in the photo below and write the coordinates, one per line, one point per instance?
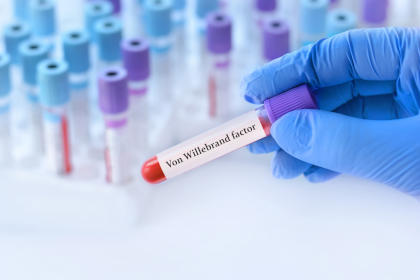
(212, 144)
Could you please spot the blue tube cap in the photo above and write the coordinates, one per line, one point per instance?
(42, 17)
(109, 34)
(76, 51)
(157, 15)
(31, 53)
(313, 16)
(20, 9)
(95, 11)
(204, 7)
(14, 34)
(340, 20)
(4, 75)
(179, 4)
(53, 82)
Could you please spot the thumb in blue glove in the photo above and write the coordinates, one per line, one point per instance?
(368, 78)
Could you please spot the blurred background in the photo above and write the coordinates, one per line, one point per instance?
(229, 219)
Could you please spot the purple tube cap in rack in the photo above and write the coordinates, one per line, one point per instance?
(265, 5)
(219, 33)
(135, 53)
(276, 39)
(113, 92)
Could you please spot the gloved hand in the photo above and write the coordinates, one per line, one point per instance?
(367, 85)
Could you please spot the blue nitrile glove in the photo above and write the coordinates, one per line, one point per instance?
(371, 80)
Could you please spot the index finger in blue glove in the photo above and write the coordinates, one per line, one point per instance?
(358, 54)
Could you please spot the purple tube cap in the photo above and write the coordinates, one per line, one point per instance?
(219, 33)
(265, 5)
(294, 99)
(113, 92)
(276, 39)
(375, 11)
(135, 53)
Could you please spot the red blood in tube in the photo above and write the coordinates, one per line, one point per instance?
(152, 172)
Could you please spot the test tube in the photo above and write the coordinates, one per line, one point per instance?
(54, 97)
(276, 39)
(116, 4)
(113, 102)
(20, 10)
(202, 9)
(219, 46)
(159, 31)
(14, 34)
(137, 64)
(95, 11)
(375, 12)
(265, 10)
(313, 18)
(108, 32)
(340, 20)
(77, 55)
(42, 20)
(31, 53)
(5, 87)
(226, 138)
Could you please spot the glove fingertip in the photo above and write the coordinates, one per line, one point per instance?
(320, 175)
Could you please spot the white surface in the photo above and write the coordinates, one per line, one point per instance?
(227, 220)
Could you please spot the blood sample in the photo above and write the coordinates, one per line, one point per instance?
(54, 97)
(77, 55)
(375, 12)
(113, 102)
(219, 45)
(226, 138)
(5, 87)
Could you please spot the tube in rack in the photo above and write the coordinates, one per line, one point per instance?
(5, 87)
(226, 138)
(95, 11)
(31, 53)
(54, 97)
(313, 16)
(276, 39)
(137, 64)
(340, 20)
(219, 45)
(43, 21)
(77, 55)
(108, 33)
(113, 102)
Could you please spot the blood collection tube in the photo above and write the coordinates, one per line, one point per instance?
(54, 97)
(137, 64)
(375, 12)
(77, 55)
(31, 53)
(14, 34)
(276, 39)
(340, 20)
(95, 11)
(202, 9)
(159, 31)
(219, 46)
(226, 138)
(312, 20)
(43, 21)
(20, 9)
(108, 32)
(116, 4)
(265, 10)
(178, 13)
(5, 87)
(113, 102)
